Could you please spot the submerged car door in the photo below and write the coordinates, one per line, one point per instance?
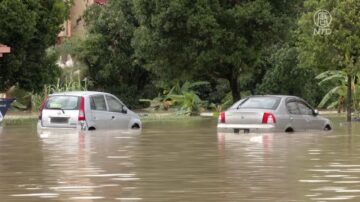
(119, 117)
(312, 121)
(100, 116)
(297, 121)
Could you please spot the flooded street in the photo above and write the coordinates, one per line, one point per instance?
(179, 161)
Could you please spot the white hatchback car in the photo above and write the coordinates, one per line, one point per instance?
(86, 110)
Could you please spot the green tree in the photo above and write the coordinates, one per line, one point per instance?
(340, 49)
(285, 77)
(336, 96)
(108, 52)
(223, 39)
(30, 27)
(185, 95)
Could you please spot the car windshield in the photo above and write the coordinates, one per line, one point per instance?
(260, 103)
(63, 102)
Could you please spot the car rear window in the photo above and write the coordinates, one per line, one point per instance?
(237, 104)
(63, 102)
(260, 103)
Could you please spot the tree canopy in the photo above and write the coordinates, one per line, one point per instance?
(108, 51)
(222, 39)
(30, 27)
(134, 46)
(286, 78)
(338, 49)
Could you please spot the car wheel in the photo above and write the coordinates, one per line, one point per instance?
(289, 130)
(135, 126)
(92, 128)
(327, 128)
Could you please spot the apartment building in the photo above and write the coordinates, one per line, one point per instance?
(75, 26)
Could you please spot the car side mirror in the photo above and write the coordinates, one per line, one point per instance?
(124, 110)
(316, 112)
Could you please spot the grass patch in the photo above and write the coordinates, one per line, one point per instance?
(19, 118)
(18, 121)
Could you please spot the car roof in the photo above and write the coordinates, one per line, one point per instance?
(280, 96)
(79, 93)
(283, 97)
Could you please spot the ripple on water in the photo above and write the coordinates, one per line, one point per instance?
(179, 162)
(113, 175)
(314, 181)
(87, 197)
(129, 199)
(336, 198)
(36, 195)
(74, 188)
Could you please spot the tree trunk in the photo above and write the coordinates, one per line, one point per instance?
(349, 99)
(234, 85)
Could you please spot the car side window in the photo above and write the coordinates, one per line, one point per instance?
(114, 104)
(304, 109)
(292, 107)
(97, 102)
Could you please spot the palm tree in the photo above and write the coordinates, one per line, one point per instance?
(336, 97)
(181, 96)
(190, 103)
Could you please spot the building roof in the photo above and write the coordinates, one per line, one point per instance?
(4, 49)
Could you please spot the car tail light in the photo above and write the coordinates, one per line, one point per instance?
(222, 117)
(42, 106)
(268, 118)
(82, 109)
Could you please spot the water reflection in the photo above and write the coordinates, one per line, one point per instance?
(179, 161)
(321, 166)
(98, 166)
(327, 169)
(334, 174)
(65, 165)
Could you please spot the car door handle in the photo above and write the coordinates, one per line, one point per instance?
(291, 118)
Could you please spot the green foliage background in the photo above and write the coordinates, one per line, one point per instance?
(109, 55)
(30, 27)
(143, 48)
(136, 44)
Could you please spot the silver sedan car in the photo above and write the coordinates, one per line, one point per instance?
(271, 113)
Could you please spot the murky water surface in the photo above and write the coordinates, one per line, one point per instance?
(179, 161)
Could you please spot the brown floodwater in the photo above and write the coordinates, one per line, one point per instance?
(179, 161)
